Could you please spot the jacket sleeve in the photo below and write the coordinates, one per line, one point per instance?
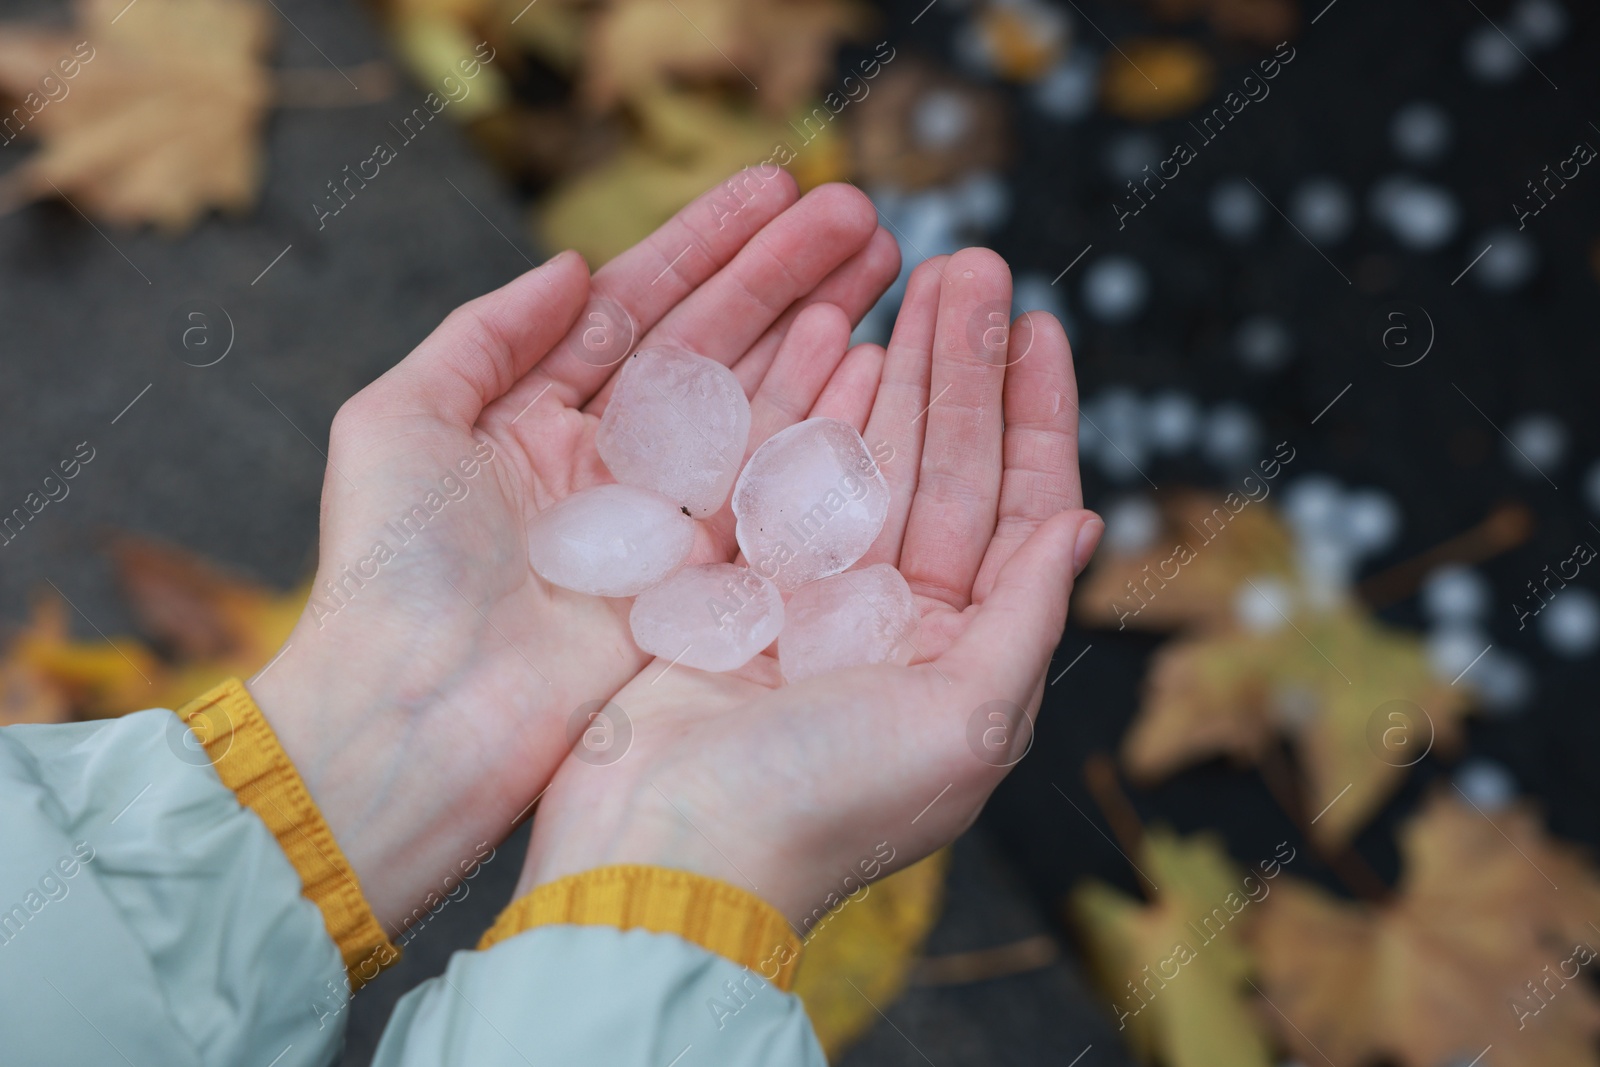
(146, 916)
(623, 966)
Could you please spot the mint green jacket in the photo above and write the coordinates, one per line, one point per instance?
(147, 919)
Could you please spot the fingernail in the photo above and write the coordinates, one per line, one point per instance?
(1088, 540)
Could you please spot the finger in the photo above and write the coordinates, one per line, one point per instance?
(780, 265)
(854, 287)
(650, 278)
(484, 346)
(849, 393)
(899, 412)
(958, 480)
(1041, 439)
(1014, 633)
(810, 354)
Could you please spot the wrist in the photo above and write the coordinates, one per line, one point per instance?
(402, 804)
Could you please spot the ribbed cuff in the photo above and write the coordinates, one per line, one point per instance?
(251, 762)
(718, 917)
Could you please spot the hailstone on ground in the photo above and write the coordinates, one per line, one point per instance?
(612, 540)
(809, 503)
(852, 619)
(677, 423)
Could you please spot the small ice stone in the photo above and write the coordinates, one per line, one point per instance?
(1231, 436)
(1452, 649)
(1114, 288)
(1132, 525)
(1490, 56)
(1371, 520)
(1420, 132)
(849, 620)
(1422, 217)
(1321, 207)
(941, 119)
(1538, 23)
(712, 617)
(612, 540)
(809, 503)
(1312, 502)
(1509, 260)
(1263, 342)
(1237, 210)
(1487, 784)
(1536, 443)
(1263, 604)
(1174, 419)
(1067, 91)
(1570, 625)
(1503, 682)
(1327, 567)
(1455, 593)
(677, 423)
(1119, 413)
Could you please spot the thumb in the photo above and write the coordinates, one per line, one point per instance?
(1019, 624)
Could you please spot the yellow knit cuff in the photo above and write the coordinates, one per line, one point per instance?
(251, 762)
(718, 917)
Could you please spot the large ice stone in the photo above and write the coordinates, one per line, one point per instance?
(809, 503)
(612, 540)
(849, 620)
(677, 423)
(713, 617)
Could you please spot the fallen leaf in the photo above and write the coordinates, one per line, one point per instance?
(1176, 969)
(95, 679)
(159, 125)
(1156, 78)
(1320, 680)
(1478, 948)
(1157, 590)
(863, 953)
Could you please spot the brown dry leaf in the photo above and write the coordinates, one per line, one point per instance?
(1156, 78)
(872, 942)
(1176, 969)
(778, 49)
(1225, 539)
(1320, 682)
(890, 137)
(160, 124)
(1478, 948)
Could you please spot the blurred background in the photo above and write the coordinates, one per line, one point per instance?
(1313, 778)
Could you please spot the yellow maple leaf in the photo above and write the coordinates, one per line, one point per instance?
(1323, 680)
(1176, 969)
(870, 944)
(1479, 947)
(159, 124)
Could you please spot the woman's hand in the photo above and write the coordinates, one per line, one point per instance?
(791, 790)
(426, 692)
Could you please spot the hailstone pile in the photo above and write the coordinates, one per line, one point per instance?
(808, 504)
